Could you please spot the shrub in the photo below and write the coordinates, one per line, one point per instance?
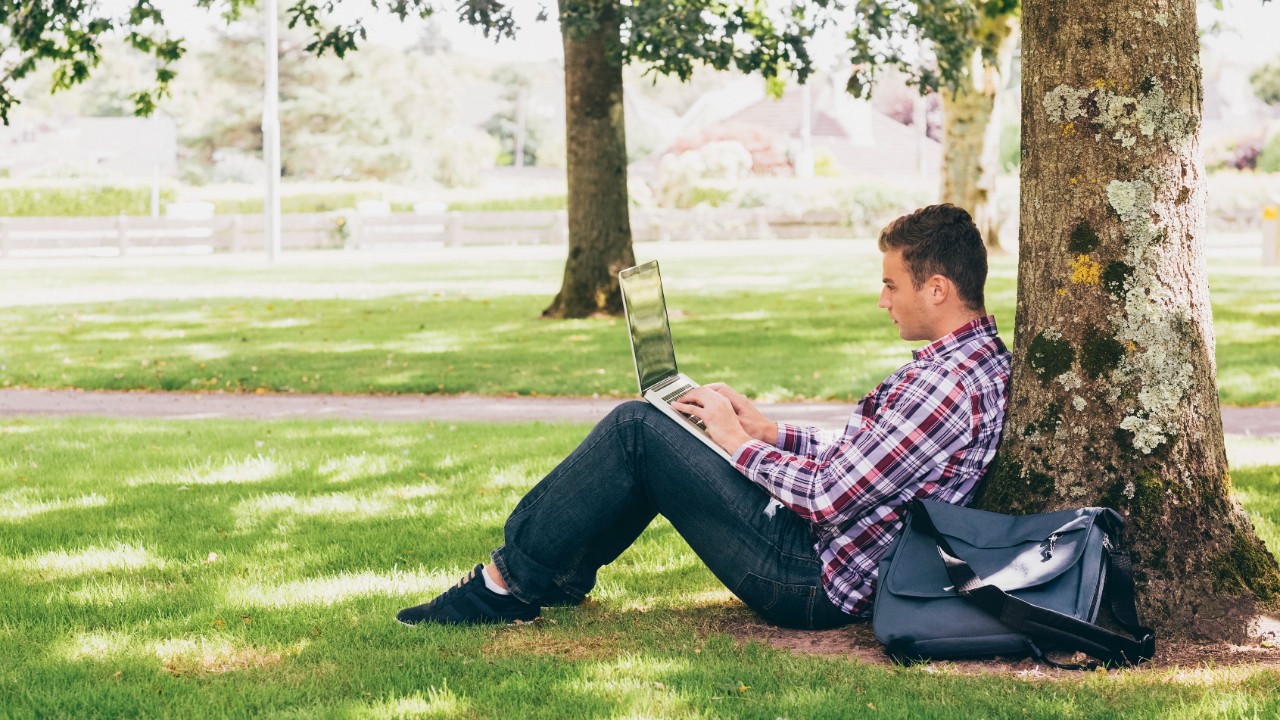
(536, 202)
(866, 206)
(1239, 153)
(300, 203)
(687, 179)
(767, 153)
(1010, 147)
(1269, 158)
(460, 156)
(79, 200)
(824, 165)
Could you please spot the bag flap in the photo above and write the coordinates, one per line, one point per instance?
(1012, 553)
(983, 529)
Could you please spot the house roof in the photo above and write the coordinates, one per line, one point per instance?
(857, 138)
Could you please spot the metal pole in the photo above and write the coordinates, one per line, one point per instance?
(804, 159)
(155, 190)
(271, 133)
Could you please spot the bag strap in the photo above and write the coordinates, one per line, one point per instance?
(1049, 625)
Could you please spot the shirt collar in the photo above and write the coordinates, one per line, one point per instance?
(983, 327)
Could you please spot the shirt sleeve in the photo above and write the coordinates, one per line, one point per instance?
(924, 419)
(804, 441)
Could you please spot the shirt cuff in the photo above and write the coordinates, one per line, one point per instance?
(789, 437)
(750, 454)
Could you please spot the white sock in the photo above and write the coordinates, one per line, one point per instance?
(493, 586)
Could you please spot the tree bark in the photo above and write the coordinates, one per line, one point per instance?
(971, 132)
(599, 223)
(1114, 400)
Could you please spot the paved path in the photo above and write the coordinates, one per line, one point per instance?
(190, 406)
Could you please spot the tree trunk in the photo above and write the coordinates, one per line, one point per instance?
(971, 132)
(599, 224)
(1114, 400)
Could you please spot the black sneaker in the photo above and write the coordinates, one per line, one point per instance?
(470, 603)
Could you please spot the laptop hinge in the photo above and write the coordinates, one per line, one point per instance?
(663, 382)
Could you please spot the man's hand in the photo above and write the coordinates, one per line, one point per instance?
(753, 421)
(717, 413)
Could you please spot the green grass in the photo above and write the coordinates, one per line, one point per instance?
(232, 569)
(516, 204)
(795, 328)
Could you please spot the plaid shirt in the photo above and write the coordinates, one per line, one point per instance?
(928, 431)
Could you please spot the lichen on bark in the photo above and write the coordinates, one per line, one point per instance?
(1152, 321)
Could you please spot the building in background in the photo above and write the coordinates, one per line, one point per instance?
(126, 148)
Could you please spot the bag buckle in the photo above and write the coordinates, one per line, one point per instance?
(1047, 547)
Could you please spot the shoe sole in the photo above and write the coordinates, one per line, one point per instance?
(510, 624)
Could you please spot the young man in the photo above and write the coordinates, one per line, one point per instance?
(928, 431)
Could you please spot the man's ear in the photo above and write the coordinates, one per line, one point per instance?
(938, 288)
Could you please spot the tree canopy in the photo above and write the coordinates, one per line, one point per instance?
(1266, 82)
(932, 41)
(672, 38)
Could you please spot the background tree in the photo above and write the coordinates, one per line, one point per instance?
(341, 119)
(1266, 82)
(961, 49)
(512, 124)
(971, 121)
(600, 36)
(1114, 399)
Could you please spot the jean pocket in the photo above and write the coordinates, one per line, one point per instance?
(777, 603)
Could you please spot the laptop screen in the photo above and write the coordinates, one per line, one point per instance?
(647, 317)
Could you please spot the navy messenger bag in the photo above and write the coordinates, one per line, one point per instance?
(960, 582)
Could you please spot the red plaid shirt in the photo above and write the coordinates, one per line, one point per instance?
(928, 431)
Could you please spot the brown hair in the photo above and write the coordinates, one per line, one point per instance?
(941, 240)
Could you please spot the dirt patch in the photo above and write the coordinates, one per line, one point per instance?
(1182, 661)
(217, 659)
(515, 641)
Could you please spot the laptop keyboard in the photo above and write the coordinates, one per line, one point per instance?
(677, 393)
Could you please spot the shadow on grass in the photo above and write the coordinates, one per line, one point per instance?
(121, 609)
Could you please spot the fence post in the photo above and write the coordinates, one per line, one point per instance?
(4, 237)
(355, 231)
(761, 218)
(560, 230)
(454, 235)
(1270, 235)
(122, 233)
(237, 233)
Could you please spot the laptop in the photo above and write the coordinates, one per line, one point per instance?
(652, 349)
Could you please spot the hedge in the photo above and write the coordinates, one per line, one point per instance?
(78, 200)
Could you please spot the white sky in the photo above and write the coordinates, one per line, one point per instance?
(1251, 33)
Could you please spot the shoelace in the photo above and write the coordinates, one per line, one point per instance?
(454, 590)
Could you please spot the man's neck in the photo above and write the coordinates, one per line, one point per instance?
(957, 321)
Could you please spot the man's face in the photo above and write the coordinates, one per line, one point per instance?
(906, 305)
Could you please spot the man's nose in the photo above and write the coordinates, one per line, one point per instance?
(884, 300)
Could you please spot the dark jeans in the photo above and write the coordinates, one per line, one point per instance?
(637, 463)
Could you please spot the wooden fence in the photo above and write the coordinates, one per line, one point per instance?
(238, 233)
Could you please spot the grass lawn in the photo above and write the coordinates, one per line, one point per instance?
(207, 569)
(801, 327)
